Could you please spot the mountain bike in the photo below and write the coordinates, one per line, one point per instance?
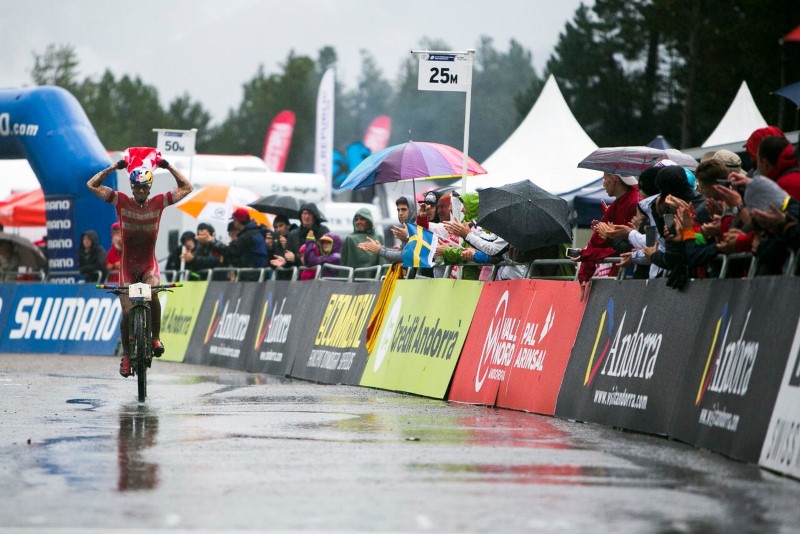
(140, 336)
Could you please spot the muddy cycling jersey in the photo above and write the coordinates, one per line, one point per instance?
(139, 231)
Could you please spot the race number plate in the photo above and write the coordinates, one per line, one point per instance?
(140, 290)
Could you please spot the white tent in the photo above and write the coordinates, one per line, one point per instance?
(741, 119)
(546, 149)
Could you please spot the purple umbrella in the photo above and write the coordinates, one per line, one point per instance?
(408, 161)
(633, 160)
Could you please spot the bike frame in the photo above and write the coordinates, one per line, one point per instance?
(140, 336)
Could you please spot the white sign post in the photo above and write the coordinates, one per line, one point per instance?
(177, 143)
(449, 71)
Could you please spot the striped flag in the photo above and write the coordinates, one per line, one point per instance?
(141, 156)
(421, 247)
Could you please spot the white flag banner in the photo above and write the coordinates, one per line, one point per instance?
(323, 154)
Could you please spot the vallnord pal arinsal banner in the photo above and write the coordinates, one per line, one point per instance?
(737, 361)
(331, 348)
(781, 450)
(629, 359)
(421, 336)
(225, 326)
(284, 312)
(518, 345)
(179, 311)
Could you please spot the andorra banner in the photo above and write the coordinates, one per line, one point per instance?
(630, 355)
(736, 364)
(283, 314)
(781, 450)
(421, 336)
(225, 326)
(331, 348)
(179, 311)
(60, 319)
(518, 345)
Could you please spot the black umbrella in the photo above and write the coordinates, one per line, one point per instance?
(285, 205)
(29, 254)
(525, 215)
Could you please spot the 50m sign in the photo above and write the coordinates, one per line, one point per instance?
(444, 72)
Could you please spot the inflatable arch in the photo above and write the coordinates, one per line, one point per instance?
(48, 126)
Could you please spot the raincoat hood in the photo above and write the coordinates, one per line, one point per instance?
(470, 201)
(366, 214)
(314, 211)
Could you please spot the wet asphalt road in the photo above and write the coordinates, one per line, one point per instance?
(218, 450)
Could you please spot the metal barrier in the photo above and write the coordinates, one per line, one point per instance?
(363, 273)
(333, 267)
(727, 259)
(25, 276)
(552, 262)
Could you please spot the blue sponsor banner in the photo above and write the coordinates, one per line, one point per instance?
(6, 300)
(62, 243)
(56, 318)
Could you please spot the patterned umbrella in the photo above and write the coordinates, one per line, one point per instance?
(408, 161)
(633, 160)
(217, 202)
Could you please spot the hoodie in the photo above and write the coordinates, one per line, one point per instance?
(354, 257)
(313, 255)
(93, 259)
(297, 237)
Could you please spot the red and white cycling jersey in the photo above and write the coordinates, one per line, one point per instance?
(139, 231)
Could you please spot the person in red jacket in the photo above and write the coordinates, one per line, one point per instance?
(625, 191)
(777, 160)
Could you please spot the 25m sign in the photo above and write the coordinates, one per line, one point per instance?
(444, 72)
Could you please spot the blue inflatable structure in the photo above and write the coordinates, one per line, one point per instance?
(47, 126)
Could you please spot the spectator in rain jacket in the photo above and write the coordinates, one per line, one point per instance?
(325, 250)
(91, 257)
(310, 223)
(363, 228)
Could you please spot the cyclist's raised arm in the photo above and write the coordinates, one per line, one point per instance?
(184, 186)
(95, 183)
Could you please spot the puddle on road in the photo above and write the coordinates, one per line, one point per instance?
(576, 475)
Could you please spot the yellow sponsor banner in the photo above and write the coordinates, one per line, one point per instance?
(179, 311)
(421, 336)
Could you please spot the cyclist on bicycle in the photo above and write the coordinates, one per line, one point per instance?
(139, 217)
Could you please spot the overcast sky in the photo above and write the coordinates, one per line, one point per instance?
(209, 48)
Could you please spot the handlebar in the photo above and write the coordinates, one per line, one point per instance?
(124, 289)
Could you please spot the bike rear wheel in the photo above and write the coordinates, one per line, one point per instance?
(141, 348)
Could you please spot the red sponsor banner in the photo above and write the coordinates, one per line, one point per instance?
(519, 344)
(377, 135)
(278, 141)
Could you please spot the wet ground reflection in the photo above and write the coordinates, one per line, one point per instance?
(138, 428)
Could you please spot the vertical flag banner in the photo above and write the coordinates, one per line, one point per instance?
(421, 247)
(323, 152)
(278, 141)
(377, 135)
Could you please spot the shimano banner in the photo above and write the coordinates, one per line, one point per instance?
(66, 319)
(332, 344)
(630, 355)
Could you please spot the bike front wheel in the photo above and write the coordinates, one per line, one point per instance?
(141, 348)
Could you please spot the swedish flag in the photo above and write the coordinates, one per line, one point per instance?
(421, 247)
